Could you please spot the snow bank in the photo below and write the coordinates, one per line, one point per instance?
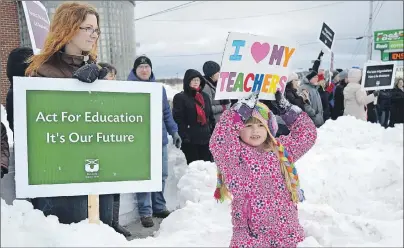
(170, 92)
(352, 178)
(21, 225)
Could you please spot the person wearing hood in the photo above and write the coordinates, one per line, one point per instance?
(16, 66)
(338, 109)
(192, 111)
(355, 98)
(143, 71)
(211, 70)
(310, 84)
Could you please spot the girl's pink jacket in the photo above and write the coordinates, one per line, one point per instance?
(263, 214)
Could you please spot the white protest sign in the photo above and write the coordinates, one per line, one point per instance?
(254, 63)
(74, 138)
(378, 75)
(37, 22)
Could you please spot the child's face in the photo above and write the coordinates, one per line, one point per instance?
(254, 134)
(110, 76)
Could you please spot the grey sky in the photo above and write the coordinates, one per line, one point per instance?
(188, 32)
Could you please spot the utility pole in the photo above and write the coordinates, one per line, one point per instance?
(370, 31)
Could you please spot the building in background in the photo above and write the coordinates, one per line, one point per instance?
(116, 45)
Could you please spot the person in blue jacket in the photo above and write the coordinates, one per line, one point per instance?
(153, 203)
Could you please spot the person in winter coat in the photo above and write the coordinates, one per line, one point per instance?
(5, 152)
(192, 111)
(257, 171)
(331, 88)
(384, 107)
(338, 109)
(355, 98)
(299, 99)
(70, 50)
(310, 84)
(397, 103)
(17, 63)
(371, 110)
(291, 93)
(143, 71)
(324, 95)
(211, 70)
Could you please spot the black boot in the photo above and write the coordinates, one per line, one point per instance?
(115, 218)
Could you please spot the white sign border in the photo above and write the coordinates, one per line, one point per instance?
(375, 63)
(24, 190)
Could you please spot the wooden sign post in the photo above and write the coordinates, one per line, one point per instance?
(94, 209)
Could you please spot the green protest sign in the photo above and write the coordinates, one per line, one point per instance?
(77, 139)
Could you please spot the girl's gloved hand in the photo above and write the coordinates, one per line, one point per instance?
(287, 111)
(244, 107)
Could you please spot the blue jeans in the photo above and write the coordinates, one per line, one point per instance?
(154, 202)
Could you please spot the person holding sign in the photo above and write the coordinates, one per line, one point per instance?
(143, 71)
(70, 50)
(192, 111)
(211, 70)
(258, 170)
(355, 98)
(310, 84)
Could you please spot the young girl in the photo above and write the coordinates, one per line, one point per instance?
(259, 173)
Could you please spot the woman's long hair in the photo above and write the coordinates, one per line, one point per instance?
(397, 81)
(64, 26)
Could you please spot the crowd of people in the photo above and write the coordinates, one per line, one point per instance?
(254, 143)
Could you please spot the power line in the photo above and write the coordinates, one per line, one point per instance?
(253, 16)
(217, 53)
(181, 6)
(379, 5)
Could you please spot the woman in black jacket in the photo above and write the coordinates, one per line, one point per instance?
(291, 92)
(397, 103)
(192, 111)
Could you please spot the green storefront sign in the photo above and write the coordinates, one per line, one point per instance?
(389, 39)
(84, 137)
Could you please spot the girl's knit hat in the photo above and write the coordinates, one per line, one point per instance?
(265, 115)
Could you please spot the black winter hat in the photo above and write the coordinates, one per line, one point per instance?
(334, 74)
(142, 60)
(16, 62)
(311, 75)
(210, 68)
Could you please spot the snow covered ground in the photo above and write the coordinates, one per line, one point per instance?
(353, 181)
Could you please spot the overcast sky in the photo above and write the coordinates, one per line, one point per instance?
(201, 28)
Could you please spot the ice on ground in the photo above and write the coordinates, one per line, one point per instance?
(353, 180)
